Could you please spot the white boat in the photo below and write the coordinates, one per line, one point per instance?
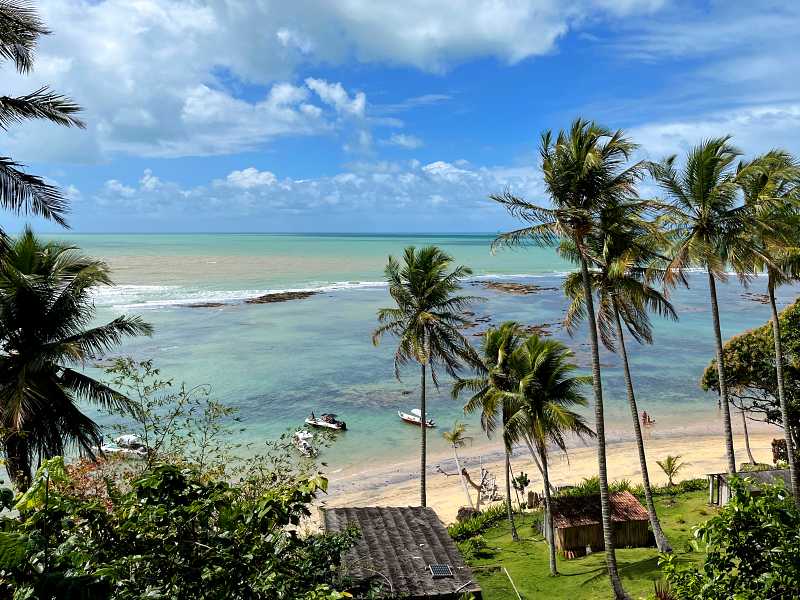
(327, 421)
(127, 445)
(415, 417)
(302, 441)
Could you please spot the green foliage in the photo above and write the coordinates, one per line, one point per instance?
(474, 547)
(750, 370)
(671, 466)
(752, 549)
(175, 534)
(178, 423)
(520, 482)
(475, 525)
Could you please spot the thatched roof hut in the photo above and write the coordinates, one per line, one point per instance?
(719, 491)
(577, 523)
(397, 549)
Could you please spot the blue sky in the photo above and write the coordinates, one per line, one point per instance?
(359, 115)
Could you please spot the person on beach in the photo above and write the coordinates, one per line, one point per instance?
(646, 420)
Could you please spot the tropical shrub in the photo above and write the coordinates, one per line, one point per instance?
(477, 524)
(752, 548)
(174, 534)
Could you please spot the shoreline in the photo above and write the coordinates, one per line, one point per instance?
(398, 484)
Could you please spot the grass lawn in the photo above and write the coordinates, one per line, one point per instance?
(583, 578)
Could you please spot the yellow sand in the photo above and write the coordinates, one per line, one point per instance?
(702, 454)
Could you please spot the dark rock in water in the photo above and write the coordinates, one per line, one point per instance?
(406, 392)
(280, 297)
(760, 298)
(518, 289)
(203, 305)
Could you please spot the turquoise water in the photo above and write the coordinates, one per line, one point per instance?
(277, 362)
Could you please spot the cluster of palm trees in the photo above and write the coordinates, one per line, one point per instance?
(718, 214)
(46, 304)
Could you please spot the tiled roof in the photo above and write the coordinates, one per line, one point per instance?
(398, 545)
(576, 511)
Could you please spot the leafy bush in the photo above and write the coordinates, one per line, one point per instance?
(474, 547)
(752, 548)
(478, 524)
(591, 485)
(174, 534)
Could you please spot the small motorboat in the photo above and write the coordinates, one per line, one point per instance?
(327, 421)
(415, 417)
(302, 441)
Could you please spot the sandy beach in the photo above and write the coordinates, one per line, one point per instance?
(398, 485)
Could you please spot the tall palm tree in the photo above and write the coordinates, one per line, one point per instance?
(706, 225)
(426, 322)
(584, 169)
(456, 438)
(771, 187)
(622, 251)
(20, 192)
(490, 389)
(546, 393)
(46, 306)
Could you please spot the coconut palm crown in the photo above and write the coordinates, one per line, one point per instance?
(46, 311)
(426, 321)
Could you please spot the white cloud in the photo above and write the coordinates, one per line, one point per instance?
(404, 140)
(250, 178)
(164, 77)
(336, 96)
(755, 129)
(381, 189)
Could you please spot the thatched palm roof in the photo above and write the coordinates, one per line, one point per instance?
(396, 547)
(577, 511)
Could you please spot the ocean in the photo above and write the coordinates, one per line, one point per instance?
(278, 362)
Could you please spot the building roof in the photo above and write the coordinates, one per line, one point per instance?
(579, 511)
(770, 476)
(398, 545)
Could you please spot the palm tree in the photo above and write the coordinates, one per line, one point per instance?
(46, 305)
(706, 225)
(671, 466)
(20, 192)
(622, 251)
(456, 438)
(491, 389)
(545, 395)
(584, 169)
(771, 187)
(426, 322)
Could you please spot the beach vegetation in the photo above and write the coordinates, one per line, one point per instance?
(426, 322)
(750, 549)
(624, 248)
(585, 169)
(172, 534)
(544, 402)
(752, 378)
(457, 438)
(771, 188)
(491, 389)
(706, 226)
(21, 29)
(46, 314)
(672, 466)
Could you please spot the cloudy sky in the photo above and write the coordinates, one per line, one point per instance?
(373, 115)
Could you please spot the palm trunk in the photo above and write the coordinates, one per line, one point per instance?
(747, 438)
(18, 461)
(538, 463)
(723, 384)
(509, 510)
(423, 444)
(658, 533)
(548, 514)
(600, 430)
(794, 468)
(461, 477)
